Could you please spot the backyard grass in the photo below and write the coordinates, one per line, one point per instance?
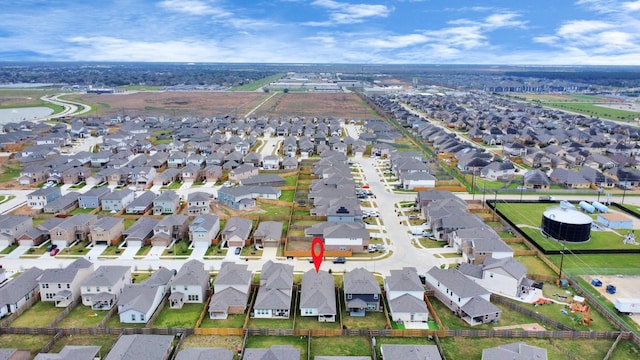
(287, 195)
(274, 210)
(179, 318)
(114, 322)
(626, 349)
(228, 342)
(82, 317)
(232, 321)
(41, 314)
(557, 349)
(104, 341)
(340, 346)
(128, 223)
(535, 265)
(259, 323)
(261, 342)
(81, 211)
(311, 322)
(290, 180)
(372, 320)
(8, 173)
(518, 246)
(33, 343)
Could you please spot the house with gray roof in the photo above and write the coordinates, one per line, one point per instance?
(321, 357)
(167, 177)
(62, 285)
(465, 298)
(15, 354)
(140, 232)
(190, 285)
(236, 232)
(197, 353)
(569, 178)
(203, 230)
(71, 352)
(141, 204)
(231, 291)
(361, 292)
(274, 295)
(167, 203)
(92, 198)
(275, 352)
(517, 351)
(536, 179)
(72, 229)
(409, 352)
(505, 276)
(135, 347)
(198, 203)
(318, 296)
(101, 289)
(139, 301)
(18, 291)
(12, 226)
(107, 230)
(242, 172)
(341, 235)
(263, 180)
(268, 234)
(243, 197)
(169, 229)
(117, 200)
(63, 204)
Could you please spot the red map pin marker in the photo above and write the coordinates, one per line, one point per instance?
(317, 256)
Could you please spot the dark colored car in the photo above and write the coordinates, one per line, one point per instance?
(339, 260)
(237, 252)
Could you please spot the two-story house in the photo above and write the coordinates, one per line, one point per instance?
(107, 230)
(15, 294)
(92, 198)
(230, 291)
(139, 301)
(361, 292)
(62, 285)
(117, 200)
(12, 226)
(167, 203)
(318, 296)
(198, 203)
(405, 295)
(203, 230)
(274, 296)
(190, 285)
(38, 199)
(73, 228)
(102, 288)
(170, 228)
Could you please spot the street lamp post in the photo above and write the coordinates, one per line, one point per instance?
(599, 192)
(521, 190)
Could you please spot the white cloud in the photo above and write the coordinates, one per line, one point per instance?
(344, 13)
(193, 7)
(399, 41)
(631, 6)
(578, 28)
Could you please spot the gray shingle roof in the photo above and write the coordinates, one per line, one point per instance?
(222, 300)
(64, 275)
(478, 306)
(409, 304)
(455, 281)
(409, 352)
(404, 280)
(106, 275)
(192, 273)
(360, 281)
(233, 274)
(136, 347)
(17, 288)
(70, 352)
(318, 292)
(515, 351)
(276, 352)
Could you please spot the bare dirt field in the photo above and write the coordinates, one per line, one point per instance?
(626, 287)
(338, 105)
(174, 102)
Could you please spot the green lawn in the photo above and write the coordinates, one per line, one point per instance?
(557, 349)
(83, 317)
(8, 249)
(535, 265)
(594, 110)
(601, 264)
(274, 210)
(372, 320)
(112, 251)
(128, 223)
(41, 314)
(626, 349)
(33, 343)
(257, 84)
(181, 248)
(287, 195)
(81, 211)
(290, 180)
(258, 323)
(340, 346)
(232, 321)
(9, 173)
(187, 317)
(262, 342)
(144, 250)
(311, 322)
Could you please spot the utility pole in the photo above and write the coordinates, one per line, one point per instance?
(495, 205)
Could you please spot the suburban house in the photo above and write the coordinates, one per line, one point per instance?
(167, 203)
(341, 235)
(148, 347)
(465, 298)
(63, 204)
(167, 177)
(190, 285)
(212, 173)
(102, 288)
(236, 232)
(198, 203)
(405, 295)
(477, 243)
(92, 198)
(242, 172)
(139, 301)
(409, 352)
(170, 228)
(33, 175)
(12, 226)
(140, 232)
(517, 350)
(268, 234)
(107, 230)
(76, 175)
(361, 292)
(203, 230)
(38, 199)
(506, 276)
(275, 352)
(274, 296)
(271, 162)
(318, 296)
(230, 291)
(117, 200)
(62, 285)
(75, 352)
(264, 180)
(177, 159)
(16, 293)
(243, 197)
(141, 204)
(73, 228)
(204, 353)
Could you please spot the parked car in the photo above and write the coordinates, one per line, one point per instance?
(414, 217)
(339, 260)
(51, 247)
(54, 252)
(237, 251)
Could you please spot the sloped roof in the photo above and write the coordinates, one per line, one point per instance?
(360, 281)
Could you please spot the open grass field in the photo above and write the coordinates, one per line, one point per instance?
(10, 98)
(557, 349)
(342, 105)
(605, 264)
(255, 85)
(33, 343)
(626, 349)
(178, 103)
(261, 342)
(232, 321)
(41, 314)
(595, 110)
(182, 318)
(340, 346)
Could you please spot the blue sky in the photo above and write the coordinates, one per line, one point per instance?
(540, 32)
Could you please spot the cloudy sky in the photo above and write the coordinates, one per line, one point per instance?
(553, 32)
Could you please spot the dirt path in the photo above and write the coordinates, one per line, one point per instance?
(525, 327)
